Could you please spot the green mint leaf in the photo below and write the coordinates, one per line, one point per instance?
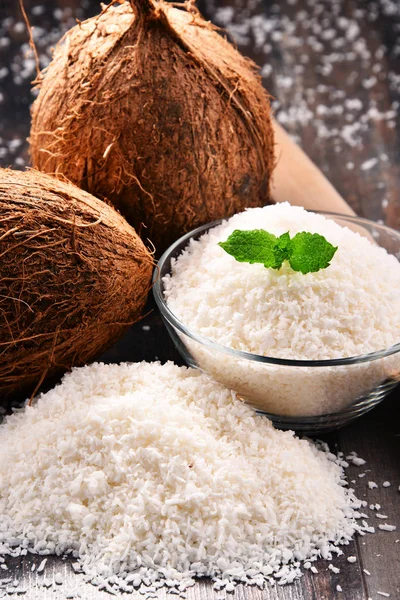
(310, 252)
(255, 246)
(283, 243)
(305, 252)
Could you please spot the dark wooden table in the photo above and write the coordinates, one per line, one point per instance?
(334, 68)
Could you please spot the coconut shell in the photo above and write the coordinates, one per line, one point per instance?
(148, 107)
(73, 276)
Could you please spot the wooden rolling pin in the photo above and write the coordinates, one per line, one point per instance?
(298, 180)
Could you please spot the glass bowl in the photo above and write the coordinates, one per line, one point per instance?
(335, 391)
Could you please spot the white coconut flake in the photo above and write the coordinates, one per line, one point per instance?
(369, 164)
(356, 460)
(334, 569)
(387, 527)
(42, 565)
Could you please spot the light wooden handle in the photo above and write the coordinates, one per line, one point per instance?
(297, 180)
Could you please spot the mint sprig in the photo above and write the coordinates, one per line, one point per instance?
(305, 252)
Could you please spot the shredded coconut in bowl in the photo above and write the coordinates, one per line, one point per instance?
(348, 309)
(149, 473)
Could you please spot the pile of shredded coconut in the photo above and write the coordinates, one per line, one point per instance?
(150, 474)
(350, 308)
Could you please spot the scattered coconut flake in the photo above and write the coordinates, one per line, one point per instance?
(369, 82)
(387, 527)
(370, 529)
(42, 565)
(386, 484)
(354, 459)
(369, 164)
(266, 70)
(38, 10)
(352, 559)
(334, 569)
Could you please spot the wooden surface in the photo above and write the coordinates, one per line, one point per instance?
(319, 60)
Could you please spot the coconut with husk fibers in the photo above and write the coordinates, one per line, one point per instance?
(148, 107)
(73, 276)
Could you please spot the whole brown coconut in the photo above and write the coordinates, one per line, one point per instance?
(147, 106)
(73, 276)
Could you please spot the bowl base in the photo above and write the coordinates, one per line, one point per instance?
(311, 426)
(314, 425)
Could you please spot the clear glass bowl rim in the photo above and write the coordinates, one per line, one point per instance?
(176, 323)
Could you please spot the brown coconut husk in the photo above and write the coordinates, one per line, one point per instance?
(73, 276)
(148, 107)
